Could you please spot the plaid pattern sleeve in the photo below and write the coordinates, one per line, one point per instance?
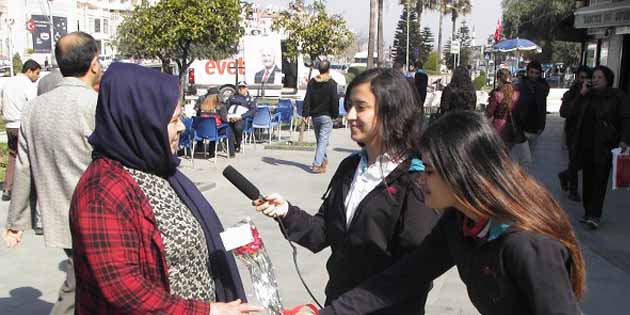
(118, 252)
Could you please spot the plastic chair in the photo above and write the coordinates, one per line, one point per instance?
(186, 139)
(342, 112)
(206, 130)
(248, 133)
(285, 109)
(264, 120)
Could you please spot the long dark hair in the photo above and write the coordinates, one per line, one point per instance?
(398, 115)
(473, 161)
(460, 93)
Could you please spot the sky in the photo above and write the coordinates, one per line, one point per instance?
(484, 16)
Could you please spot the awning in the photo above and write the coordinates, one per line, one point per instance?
(605, 15)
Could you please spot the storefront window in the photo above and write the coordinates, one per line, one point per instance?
(603, 53)
(591, 52)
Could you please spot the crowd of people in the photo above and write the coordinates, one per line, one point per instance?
(98, 153)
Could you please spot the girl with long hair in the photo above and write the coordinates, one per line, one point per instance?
(512, 243)
(501, 106)
(460, 93)
(372, 214)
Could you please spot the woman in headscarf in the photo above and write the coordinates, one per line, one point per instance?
(145, 240)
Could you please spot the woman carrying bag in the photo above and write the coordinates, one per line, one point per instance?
(501, 104)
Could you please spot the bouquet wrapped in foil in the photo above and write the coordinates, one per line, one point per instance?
(254, 256)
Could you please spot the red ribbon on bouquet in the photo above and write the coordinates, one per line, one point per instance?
(297, 309)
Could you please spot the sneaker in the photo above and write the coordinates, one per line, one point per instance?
(584, 219)
(593, 223)
(564, 181)
(6, 195)
(38, 231)
(575, 196)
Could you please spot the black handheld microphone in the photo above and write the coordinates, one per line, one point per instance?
(246, 187)
(242, 183)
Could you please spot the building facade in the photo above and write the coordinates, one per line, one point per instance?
(607, 23)
(25, 25)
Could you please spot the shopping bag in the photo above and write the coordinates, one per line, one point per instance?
(621, 169)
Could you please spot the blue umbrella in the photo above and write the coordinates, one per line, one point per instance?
(518, 44)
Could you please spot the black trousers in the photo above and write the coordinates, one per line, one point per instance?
(594, 185)
(238, 127)
(571, 174)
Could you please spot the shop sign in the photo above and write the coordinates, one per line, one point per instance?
(613, 17)
(622, 30)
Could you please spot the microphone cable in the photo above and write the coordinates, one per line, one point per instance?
(295, 263)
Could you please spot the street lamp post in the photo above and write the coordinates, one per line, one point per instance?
(52, 33)
(9, 23)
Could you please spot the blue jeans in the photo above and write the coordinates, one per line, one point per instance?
(323, 126)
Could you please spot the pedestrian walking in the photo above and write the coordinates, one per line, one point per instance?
(321, 105)
(145, 239)
(531, 111)
(500, 111)
(373, 213)
(421, 79)
(569, 110)
(460, 93)
(512, 243)
(602, 122)
(16, 93)
(54, 152)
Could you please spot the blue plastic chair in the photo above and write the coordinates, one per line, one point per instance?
(248, 133)
(342, 112)
(187, 139)
(286, 111)
(264, 120)
(206, 130)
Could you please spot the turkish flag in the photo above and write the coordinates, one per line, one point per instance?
(498, 31)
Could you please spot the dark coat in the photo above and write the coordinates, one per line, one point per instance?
(421, 80)
(531, 111)
(612, 111)
(519, 273)
(244, 101)
(569, 112)
(388, 223)
(271, 79)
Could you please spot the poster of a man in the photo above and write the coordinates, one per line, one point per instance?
(263, 60)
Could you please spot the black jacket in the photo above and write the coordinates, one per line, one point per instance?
(519, 273)
(388, 223)
(321, 97)
(531, 110)
(569, 112)
(612, 123)
(421, 80)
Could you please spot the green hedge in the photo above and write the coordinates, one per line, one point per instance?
(480, 81)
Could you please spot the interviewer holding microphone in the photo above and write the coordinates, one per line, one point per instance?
(373, 213)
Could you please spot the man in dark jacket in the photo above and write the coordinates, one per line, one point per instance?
(421, 79)
(531, 111)
(321, 103)
(240, 107)
(568, 110)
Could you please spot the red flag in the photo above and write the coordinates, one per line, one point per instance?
(498, 31)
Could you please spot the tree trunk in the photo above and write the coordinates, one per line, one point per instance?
(303, 122)
(371, 33)
(381, 55)
(439, 48)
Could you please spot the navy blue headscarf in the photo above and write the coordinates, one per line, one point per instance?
(135, 105)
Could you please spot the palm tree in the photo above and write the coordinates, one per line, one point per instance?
(458, 7)
(371, 33)
(379, 40)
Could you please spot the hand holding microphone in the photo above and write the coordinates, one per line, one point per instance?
(273, 206)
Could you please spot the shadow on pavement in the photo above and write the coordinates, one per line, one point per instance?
(24, 300)
(274, 161)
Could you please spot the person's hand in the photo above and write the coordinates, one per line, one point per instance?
(586, 87)
(306, 120)
(234, 308)
(12, 237)
(624, 147)
(273, 206)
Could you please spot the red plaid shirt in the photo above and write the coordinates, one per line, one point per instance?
(119, 257)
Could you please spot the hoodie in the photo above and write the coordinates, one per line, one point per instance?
(321, 97)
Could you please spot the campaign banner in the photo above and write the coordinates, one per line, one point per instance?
(264, 60)
(41, 34)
